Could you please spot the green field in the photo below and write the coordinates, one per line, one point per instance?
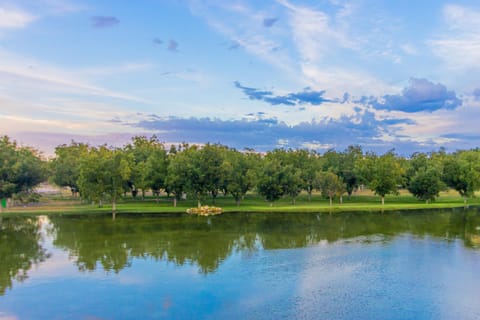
(364, 201)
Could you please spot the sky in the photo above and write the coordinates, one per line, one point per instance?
(322, 74)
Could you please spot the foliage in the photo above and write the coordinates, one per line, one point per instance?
(66, 165)
(103, 174)
(462, 172)
(424, 177)
(330, 185)
(21, 169)
(383, 174)
(270, 183)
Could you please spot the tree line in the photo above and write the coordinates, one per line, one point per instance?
(106, 174)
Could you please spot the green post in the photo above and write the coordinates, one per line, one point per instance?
(4, 203)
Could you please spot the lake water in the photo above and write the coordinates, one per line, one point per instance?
(393, 265)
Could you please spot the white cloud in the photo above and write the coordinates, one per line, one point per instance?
(315, 33)
(337, 81)
(244, 26)
(459, 47)
(14, 18)
(124, 68)
(38, 76)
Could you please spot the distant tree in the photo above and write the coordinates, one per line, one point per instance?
(461, 171)
(209, 166)
(179, 171)
(383, 174)
(156, 170)
(330, 185)
(103, 173)
(308, 164)
(141, 149)
(424, 177)
(66, 165)
(271, 179)
(240, 173)
(426, 184)
(347, 171)
(8, 161)
(21, 169)
(292, 182)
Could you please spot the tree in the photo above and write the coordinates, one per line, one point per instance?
(156, 169)
(21, 169)
(66, 165)
(8, 159)
(239, 173)
(330, 185)
(347, 171)
(104, 172)
(426, 184)
(308, 163)
(424, 177)
(178, 175)
(209, 167)
(383, 174)
(142, 177)
(270, 183)
(462, 172)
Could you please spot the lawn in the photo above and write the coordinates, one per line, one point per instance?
(360, 201)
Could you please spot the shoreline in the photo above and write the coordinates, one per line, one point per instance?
(139, 207)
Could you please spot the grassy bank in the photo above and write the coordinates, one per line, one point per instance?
(362, 201)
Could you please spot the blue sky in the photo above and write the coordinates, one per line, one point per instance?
(262, 74)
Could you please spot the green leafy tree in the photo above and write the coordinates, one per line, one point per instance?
(141, 150)
(462, 172)
(347, 171)
(426, 184)
(330, 185)
(383, 174)
(208, 166)
(308, 164)
(424, 177)
(178, 176)
(21, 169)
(8, 160)
(66, 165)
(240, 173)
(156, 169)
(104, 173)
(271, 179)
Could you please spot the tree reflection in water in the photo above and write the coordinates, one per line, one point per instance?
(20, 249)
(94, 241)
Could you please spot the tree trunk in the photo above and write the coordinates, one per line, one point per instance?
(330, 202)
(341, 199)
(271, 204)
(114, 205)
(198, 203)
(158, 197)
(383, 200)
(100, 204)
(309, 195)
(293, 200)
(237, 201)
(143, 195)
(174, 202)
(465, 201)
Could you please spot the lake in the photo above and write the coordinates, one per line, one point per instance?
(392, 265)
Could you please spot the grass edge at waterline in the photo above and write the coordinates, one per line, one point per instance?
(252, 203)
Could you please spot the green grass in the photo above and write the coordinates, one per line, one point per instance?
(252, 203)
